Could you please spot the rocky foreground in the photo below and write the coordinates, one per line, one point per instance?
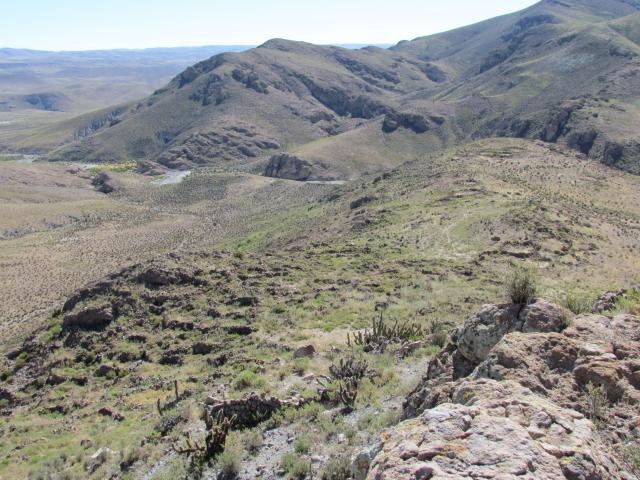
(523, 392)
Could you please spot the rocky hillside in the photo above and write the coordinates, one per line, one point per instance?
(524, 391)
(518, 390)
(561, 72)
(320, 316)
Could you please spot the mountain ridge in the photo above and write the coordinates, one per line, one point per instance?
(514, 75)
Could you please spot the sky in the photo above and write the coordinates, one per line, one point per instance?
(89, 25)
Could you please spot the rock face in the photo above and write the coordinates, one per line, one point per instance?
(495, 430)
(289, 167)
(472, 342)
(412, 121)
(508, 397)
(231, 143)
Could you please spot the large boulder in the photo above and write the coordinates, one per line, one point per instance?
(496, 430)
(543, 317)
(289, 167)
(471, 344)
(90, 318)
(480, 332)
(306, 351)
(251, 409)
(596, 350)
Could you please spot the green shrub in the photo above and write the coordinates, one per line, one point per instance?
(300, 366)
(129, 456)
(230, 461)
(176, 468)
(629, 302)
(253, 440)
(338, 467)
(302, 445)
(632, 457)
(247, 379)
(522, 285)
(597, 401)
(577, 304)
(295, 466)
(51, 469)
(55, 329)
(21, 360)
(438, 331)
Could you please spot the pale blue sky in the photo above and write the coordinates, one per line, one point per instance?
(87, 24)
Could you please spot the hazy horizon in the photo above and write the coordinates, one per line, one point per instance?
(72, 26)
(218, 45)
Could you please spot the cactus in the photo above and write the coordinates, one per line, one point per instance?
(217, 427)
(348, 392)
(164, 407)
(351, 368)
(381, 334)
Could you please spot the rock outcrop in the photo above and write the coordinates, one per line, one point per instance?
(472, 342)
(497, 430)
(231, 143)
(412, 121)
(103, 182)
(289, 167)
(251, 409)
(90, 318)
(512, 396)
(156, 276)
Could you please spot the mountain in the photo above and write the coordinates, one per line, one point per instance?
(469, 311)
(44, 95)
(560, 71)
(89, 80)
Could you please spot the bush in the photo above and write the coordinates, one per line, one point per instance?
(522, 285)
(438, 331)
(295, 466)
(21, 360)
(302, 445)
(632, 457)
(176, 468)
(129, 456)
(253, 440)
(246, 379)
(597, 401)
(51, 469)
(230, 462)
(576, 304)
(338, 467)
